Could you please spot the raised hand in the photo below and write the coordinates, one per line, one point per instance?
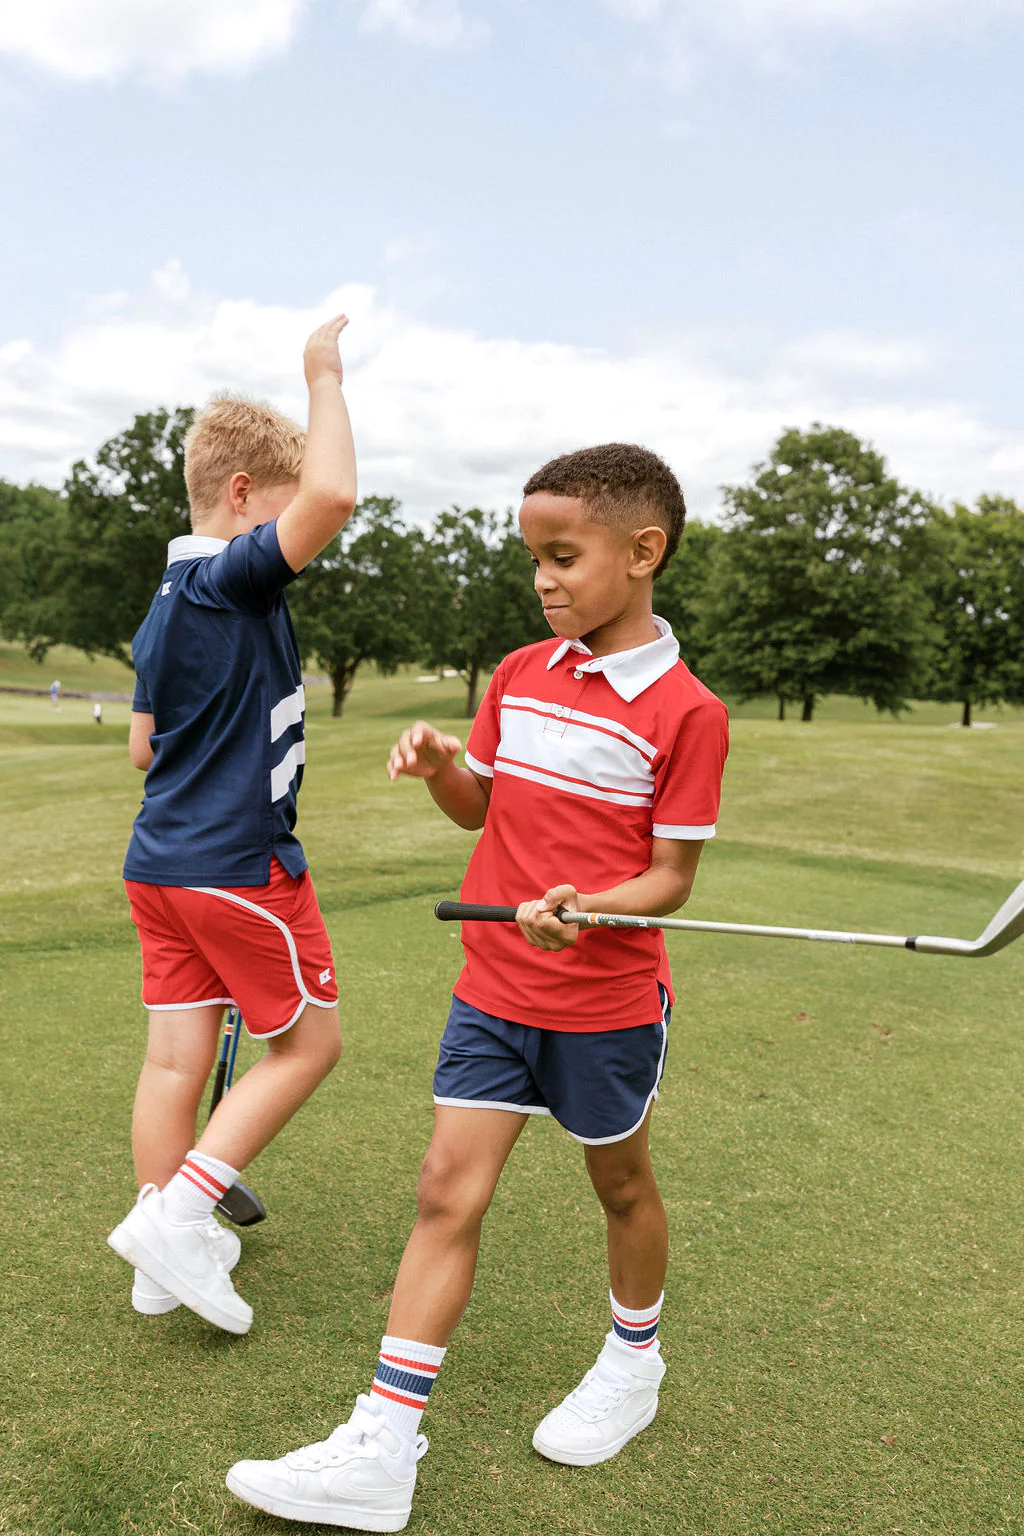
(322, 358)
(421, 751)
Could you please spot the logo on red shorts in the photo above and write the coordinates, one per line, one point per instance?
(324, 976)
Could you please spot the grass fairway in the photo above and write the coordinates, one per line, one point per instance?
(839, 1143)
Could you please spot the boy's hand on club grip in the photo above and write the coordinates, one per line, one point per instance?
(540, 925)
(322, 357)
(421, 751)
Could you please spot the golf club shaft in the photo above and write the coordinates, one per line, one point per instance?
(236, 1030)
(240, 1205)
(449, 911)
(221, 1078)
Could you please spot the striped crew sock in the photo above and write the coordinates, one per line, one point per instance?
(199, 1183)
(406, 1371)
(636, 1326)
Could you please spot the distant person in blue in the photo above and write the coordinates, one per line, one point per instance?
(55, 695)
(219, 887)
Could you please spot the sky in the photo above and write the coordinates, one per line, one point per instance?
(687, 223)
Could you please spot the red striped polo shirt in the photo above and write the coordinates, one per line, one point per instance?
(591, 757)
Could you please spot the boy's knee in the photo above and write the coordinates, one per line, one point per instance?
(448, 1191)
(621, 1190)
(331, 1048)
(184, 1066)
(314, 1041)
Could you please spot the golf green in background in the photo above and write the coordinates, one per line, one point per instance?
(839, 1142)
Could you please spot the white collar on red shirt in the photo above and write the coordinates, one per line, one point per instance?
(191, 545)
(628, 672)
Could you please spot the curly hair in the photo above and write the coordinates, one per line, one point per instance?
(620, 484)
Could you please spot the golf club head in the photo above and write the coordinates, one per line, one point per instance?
(1007, 925)
(241, 1206)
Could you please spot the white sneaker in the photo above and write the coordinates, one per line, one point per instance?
(362, 1476)
(614, 1401)
(153, 1300)
(183, 1259)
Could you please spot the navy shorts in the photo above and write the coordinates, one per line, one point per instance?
(598, 1084)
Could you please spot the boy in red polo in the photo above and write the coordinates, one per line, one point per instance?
(594, 765)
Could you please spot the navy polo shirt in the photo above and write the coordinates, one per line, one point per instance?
(217, 665)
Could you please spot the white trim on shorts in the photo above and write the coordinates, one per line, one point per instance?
(604, 1141)
(251, 906)
(204, 1002)
(516, 1109)
(542, 1109)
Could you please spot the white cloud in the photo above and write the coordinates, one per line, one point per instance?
(682, 30)
(439, 24)
(445, 415)
(105, 39)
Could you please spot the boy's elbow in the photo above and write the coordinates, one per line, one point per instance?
(335, 506)
(678, 895)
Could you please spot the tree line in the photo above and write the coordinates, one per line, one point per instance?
(825, 575)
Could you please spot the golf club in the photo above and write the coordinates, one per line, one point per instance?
(1007, 925)
(239, 1205)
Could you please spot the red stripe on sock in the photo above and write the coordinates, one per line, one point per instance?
(648, 1323)
(416, 1365)
(397, 1397)
(215, 1185)
(201, 1187)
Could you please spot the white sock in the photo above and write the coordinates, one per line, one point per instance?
(194, 1190)
(406, 1371)
(636, 1327)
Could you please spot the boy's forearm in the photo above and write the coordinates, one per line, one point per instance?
(140, 748)
(329, 461)
(327, 492)
(459, 793)
(656, 893)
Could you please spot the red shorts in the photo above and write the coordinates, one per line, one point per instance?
(263, 949)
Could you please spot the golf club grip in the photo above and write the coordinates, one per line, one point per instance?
(471, 912)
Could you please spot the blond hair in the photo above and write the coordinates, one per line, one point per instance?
(234, 434)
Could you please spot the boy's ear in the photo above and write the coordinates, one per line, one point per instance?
(239, 490)
(648, 550)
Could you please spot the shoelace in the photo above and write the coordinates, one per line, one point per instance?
(356, 1438)
(601, 1388)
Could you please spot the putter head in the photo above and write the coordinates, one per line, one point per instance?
(241, 1206)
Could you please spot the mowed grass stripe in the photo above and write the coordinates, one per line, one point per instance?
(838, 1140)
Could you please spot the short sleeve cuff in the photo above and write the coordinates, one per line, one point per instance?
(140, 701)
(477, 766)
(684, 834)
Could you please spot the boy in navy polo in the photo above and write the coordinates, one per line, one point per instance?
(594, 765)
(219, 887)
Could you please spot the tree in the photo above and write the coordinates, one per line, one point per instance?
(819, 584)
(977, 594)
(366, 597)
(487, 605)
(681, 594)
(31, 525)
(122, 510)
(91, 559)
